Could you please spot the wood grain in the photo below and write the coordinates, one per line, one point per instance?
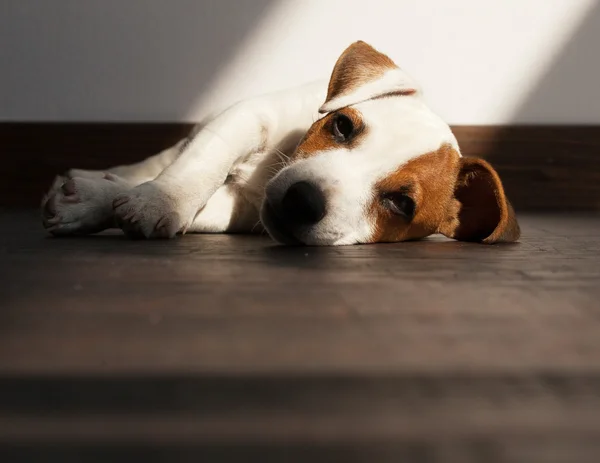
(549, 168)
(543, 167)
(231, 348)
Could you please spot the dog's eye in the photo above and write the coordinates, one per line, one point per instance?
(342, 127)
(400, 204)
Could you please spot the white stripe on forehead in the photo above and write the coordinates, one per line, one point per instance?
(392, 81)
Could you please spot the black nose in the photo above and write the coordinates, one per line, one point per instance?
(303, 204)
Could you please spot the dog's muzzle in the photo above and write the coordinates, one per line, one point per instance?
(301, 207)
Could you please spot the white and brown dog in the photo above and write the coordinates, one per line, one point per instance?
(377, 165)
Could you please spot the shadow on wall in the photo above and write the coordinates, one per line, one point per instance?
(551, 168)
(172, 50)
(176, 50)
(576, 66)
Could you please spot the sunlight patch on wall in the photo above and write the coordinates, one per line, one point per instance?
(477, 61)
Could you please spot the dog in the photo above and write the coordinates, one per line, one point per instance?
(360, 159)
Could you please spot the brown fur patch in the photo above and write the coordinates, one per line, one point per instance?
(358, 64)
(320, 136)
(462, 198)
(429, 180)
(485, 214)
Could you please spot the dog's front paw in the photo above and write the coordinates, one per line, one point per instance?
(76, 206)
(152, 210)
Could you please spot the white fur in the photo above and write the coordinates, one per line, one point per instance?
(393, 80)
(216, 182)
(399, 129)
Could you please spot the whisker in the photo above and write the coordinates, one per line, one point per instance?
(278, 166)
(282, 153)
(254, 227)
(284, 157)
(273, 169)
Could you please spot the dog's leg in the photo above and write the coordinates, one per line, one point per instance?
(81, 206)
(227, 211)
(169, 204)
(80, 201)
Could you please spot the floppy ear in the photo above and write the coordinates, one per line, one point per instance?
(480, 211)
(362, 73)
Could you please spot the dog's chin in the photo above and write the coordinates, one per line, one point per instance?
(276, 228)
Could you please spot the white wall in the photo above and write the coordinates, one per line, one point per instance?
(480, 62)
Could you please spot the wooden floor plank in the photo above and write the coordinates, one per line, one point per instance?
(231, 348)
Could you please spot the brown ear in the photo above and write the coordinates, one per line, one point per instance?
(362, 73)
(481, 211)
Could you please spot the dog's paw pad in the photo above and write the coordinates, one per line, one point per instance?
(78, 206)
(69, 188)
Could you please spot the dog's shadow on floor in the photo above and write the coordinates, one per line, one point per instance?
(364, 255)
(262, 248)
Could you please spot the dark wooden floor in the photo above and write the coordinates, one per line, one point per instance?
(230, 348)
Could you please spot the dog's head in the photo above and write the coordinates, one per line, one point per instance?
(380, 166)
